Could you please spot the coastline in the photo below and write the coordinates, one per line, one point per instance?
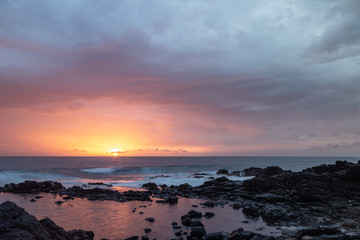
(322, 201)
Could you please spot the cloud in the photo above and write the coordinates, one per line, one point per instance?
(77, 150)
(341, 36)
(344, 145)
(216, 75)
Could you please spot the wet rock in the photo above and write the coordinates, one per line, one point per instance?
(214, 236)
(150, 186)
(222, 171)
(81, 235)
(198, 231)
(209, 214)
(251, 210)
(33, 187)
(317, 232)
(252, 171)
(194, 214)
(186, 221)
(247, 234)
(171, 199)
(237, 206)
(150, 219)
(196, 222)
(132, 238)
(99, 184)
(208, 204)
(16, 223)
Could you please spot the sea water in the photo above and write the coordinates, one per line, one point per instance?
(134, 171)
(116, 220)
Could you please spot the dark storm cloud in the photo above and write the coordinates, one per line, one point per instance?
(341, 36)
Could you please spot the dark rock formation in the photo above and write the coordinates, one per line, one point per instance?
(32, 187)
(16, 223)
(222, 171)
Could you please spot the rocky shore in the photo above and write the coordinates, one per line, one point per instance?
(324, 201)
(16, 223)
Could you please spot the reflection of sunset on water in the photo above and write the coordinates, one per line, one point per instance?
(115, 220)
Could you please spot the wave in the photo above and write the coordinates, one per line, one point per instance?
(101, 170)
(177, 179)
(20, 176)
(146, 170)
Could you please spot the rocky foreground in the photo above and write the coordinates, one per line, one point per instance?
(323, 200)
(17, 224)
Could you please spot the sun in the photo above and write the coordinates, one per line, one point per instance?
(115, 151)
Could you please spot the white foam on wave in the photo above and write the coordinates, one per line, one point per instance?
(177, 179)
(101, 170)
(21, 176)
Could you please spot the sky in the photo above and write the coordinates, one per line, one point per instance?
(180, 78)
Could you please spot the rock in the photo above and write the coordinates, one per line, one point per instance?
(198, 231)
(307, 238)
(33, 187)
(150, 219)
(236, 234)
(208, 204)
(251, 210)
(252, 171)
(209, 214)
(145, 238)
(237, 206)
(132, 238)
(150, 186)
(59, 202)
(214, 236)
(222, 171)
(186, 221)
(147, 230)
(196, 222)
(195, 214)
(16, 223)
(81, 235)
(247, 234)
(317, 232)
(171, 199)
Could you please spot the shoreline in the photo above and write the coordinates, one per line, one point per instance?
(323, 200)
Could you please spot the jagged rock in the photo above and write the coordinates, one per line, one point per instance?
(194, 214)
(222, 171)
(198, 231)
(214, 236)
(209, 214)
(16, 223)
(32, 187)
(81, 234)
(251, 210)
(132, 238)
(150, 186)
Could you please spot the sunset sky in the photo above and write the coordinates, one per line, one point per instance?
(182, 78)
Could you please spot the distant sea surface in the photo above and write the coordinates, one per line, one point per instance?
(134, 171)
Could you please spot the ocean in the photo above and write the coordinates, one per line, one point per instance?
(134, 171)
(119, 220)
